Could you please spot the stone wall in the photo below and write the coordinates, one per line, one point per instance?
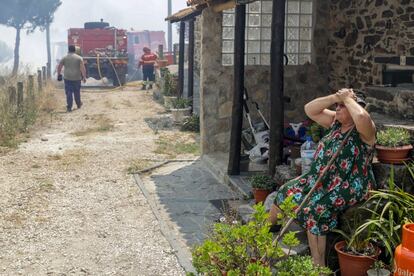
(363, 29)
(302, 83)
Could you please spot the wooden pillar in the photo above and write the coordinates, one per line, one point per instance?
(49, 71)
(276, 86)
(39, 80)
(238, 80)
(20, 96)
(175, 53)
(12, 96)
(181, 60)
(160, 51)
(191, 61)
(44, 74)
(31, 85)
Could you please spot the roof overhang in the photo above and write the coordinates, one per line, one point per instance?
(196, 7)
(186, 14)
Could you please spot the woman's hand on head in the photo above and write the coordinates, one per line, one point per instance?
(345, 93)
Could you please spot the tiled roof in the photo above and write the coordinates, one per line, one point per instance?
(186, 13)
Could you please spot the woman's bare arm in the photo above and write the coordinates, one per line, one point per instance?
(318, 110)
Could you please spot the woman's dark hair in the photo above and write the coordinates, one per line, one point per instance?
(360, 97)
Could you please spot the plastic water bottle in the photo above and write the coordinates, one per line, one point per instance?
(307, 150)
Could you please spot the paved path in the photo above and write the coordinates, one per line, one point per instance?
(187, 199)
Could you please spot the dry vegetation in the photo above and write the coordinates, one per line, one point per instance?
(69, 159)
(137, 165)
(177, 143)
(101, 124)
(15, 120)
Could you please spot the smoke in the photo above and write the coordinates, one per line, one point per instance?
(126, 14)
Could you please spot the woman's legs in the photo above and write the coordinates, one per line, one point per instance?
(274, 211)
(317, 246)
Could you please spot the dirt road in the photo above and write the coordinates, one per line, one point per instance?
(68, 205)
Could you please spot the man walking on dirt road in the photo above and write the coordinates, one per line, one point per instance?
(73, 74)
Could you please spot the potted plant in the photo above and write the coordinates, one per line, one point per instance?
(389, 210)
(180, 109)
(378, 269)
(262, 186)
(169, 90)
(393, 145)
(248, 249)
(357, 252)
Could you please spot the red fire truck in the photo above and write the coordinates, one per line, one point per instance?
(104, 50)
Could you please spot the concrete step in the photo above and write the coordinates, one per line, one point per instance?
(394, 101)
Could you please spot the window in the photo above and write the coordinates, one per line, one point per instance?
(136, 39)
(298, 33)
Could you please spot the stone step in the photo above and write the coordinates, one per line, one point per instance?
(394, 101)
(383, 120)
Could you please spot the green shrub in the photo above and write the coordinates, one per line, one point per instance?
(261, 181)
(393, 137)
(191, 123)
(300, 265)
(238, 249)
(169, 87)
(249, 249)
(180, 103)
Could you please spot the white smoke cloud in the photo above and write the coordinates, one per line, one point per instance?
(127, 14)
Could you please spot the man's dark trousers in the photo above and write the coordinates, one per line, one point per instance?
(72, 87)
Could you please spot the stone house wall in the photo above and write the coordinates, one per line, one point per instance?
(302, 83)
(363, 29)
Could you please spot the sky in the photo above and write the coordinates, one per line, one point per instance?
(124, 14)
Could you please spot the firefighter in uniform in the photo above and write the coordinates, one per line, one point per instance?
(148, 60)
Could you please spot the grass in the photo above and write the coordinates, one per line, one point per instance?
(139, 164)
(127, 103)
(16, 121)
(177, 144)
(102, 124)
(69, 158)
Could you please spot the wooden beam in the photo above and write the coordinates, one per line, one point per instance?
(238, 80)
(181, 60)
(276, 85)
(191, 61)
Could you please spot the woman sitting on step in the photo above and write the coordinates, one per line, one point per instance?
(347, 181)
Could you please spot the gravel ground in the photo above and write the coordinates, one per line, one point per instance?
(67, 205)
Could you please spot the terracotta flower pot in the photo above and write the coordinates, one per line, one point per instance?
(404, 253)
(393, 155)
(260, 194)
(353, 265)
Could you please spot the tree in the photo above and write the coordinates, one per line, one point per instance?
(6, 53)
(18, 14)
(27, 15)
(45, 16)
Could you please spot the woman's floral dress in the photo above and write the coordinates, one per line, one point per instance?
(346, 182)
